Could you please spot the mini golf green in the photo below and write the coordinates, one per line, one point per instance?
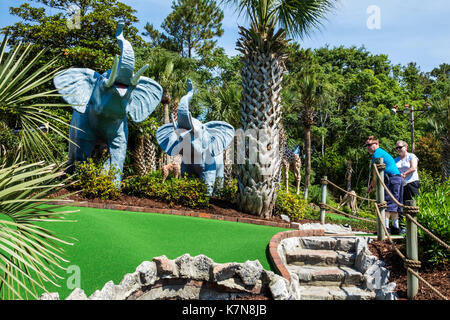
(111, 243)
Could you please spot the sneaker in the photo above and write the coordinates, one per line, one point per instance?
(402, 231)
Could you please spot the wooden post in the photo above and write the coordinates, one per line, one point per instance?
(411, 249)
(323, 199)
(380, 199)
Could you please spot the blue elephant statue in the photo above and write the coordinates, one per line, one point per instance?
(101, 103)
(201, 145)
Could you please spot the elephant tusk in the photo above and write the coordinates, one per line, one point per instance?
(138, 74)
(112, 76)
(191, 124)
(175, 126)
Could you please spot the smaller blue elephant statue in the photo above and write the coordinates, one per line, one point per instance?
(101, 103)
(201, 145)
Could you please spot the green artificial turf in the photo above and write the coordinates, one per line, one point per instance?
(111, 243)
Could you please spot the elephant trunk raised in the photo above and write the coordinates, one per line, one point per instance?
(101, 103)
(201, 145)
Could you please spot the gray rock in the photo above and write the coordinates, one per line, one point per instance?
(387, 292)
(147, 273)
(250, 272)
(49, 296)
(280, 289)
(107, 292)
(129, 284)
(77, 294)
(202, 267)
(376, 277)
(285, 218)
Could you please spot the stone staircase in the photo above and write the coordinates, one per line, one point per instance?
(325, 268)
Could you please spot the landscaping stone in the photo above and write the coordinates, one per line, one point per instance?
(334, 268)
(49, 296)
(189, 277)
(147, 273)
(77, 294)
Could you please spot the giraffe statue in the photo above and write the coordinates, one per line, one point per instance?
(291, 160)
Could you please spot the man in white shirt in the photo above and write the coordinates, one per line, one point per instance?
(407, 164)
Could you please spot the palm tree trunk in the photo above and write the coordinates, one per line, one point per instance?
(262, 74)
(308, 160)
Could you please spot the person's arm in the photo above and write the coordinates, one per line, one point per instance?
(372, 182)
(412, 168)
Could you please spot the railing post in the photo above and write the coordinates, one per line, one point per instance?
(380, 199)
(411, 247)
(323, 199)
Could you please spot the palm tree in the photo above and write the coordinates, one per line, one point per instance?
(264, 46)
(169, 70)
(24, 107)
(310, 94)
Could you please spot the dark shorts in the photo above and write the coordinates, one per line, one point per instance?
(395, 186)
(411, 190)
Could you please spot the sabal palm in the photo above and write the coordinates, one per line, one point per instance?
(263, 45)
(24, 106)
(30, 254)
(310, 92)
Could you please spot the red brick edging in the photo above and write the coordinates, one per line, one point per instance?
(275, 241)
(188, 213)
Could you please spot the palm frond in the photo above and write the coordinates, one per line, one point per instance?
(24, 103)
(30, 254)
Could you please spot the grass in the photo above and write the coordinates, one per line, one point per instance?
(111, 243)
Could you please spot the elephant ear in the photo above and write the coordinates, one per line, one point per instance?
(221, 135)
(144, 99)
(76, 85)
(169, 140)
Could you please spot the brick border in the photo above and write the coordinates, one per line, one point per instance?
(187, 213)
(275, 241)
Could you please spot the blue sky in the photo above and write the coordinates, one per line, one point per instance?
(405, 30)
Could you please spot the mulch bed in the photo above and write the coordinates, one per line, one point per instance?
(438, 277)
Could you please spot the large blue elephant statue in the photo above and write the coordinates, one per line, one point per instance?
(101, 103)
(201, 145)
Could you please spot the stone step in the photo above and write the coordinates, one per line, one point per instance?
(298, 256)
(334, 293)
(347, 244)
(326, 276)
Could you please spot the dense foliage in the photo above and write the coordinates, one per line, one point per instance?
(190, 192)
(434, 215)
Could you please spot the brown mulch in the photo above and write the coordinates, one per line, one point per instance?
(438, 277)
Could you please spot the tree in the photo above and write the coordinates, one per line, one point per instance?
(87, 43)
(24, 107)
(263, 45)
(191, 26)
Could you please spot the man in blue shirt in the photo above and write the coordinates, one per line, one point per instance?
(392, 179)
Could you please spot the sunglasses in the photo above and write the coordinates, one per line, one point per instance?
(399, 147)
(369, 144)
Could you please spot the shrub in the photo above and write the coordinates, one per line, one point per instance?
(434, 215)
(94, 181)
(189, 192)
(226, 190)
(291, 205)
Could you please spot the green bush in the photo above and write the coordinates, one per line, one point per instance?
(434, 215)
(188, 192)
(290, 204)
(94, 181)
(226, 190)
